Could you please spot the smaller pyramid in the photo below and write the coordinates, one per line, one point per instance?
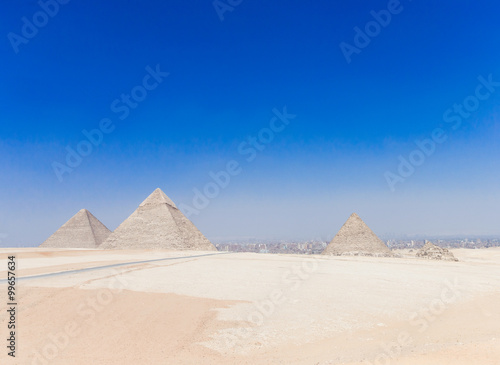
(83, 230)
(355, 238)
(158, 224)
(433, 252)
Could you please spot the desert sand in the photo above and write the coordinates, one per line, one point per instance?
(195, 307)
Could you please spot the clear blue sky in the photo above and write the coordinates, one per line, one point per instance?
(353, 119)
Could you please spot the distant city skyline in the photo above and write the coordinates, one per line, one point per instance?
(264, 120)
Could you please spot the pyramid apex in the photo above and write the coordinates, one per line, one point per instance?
(354, 217)
(83, 212)
(157, 197)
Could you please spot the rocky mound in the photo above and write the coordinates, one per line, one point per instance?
(433, 252)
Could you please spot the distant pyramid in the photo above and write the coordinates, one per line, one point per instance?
(158, 224)
(82, 231)
(355, 238)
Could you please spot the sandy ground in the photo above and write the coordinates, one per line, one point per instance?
(253, 309)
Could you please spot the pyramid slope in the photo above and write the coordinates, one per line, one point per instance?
(158, 224)
(356, 238)
(83, 230)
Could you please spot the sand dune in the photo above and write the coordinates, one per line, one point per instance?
(258, 309)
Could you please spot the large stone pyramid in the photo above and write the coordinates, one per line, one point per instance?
(158, 224)
(83, 230)
(355, 238)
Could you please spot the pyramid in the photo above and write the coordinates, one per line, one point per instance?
(158, 224)
(356, 239)
(83, 230)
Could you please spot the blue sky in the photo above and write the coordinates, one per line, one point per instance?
(352, 119)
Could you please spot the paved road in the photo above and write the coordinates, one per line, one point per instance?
(69, 272)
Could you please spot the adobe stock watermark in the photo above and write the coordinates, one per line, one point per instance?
(363, 37)
(292, 279)
(250, 148)
(454, 117)
(30, 27)
(223, 6)
(121, 107)
(85, 313)
(420, 321)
